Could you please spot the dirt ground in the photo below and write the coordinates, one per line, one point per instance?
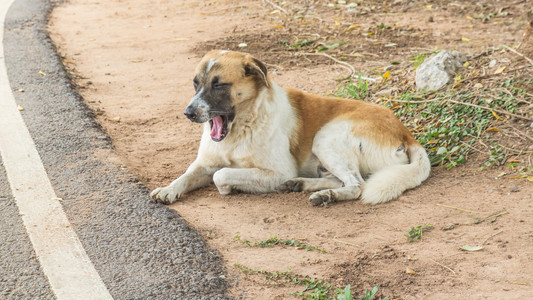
(133, 62)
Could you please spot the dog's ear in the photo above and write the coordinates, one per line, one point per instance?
(254, 67)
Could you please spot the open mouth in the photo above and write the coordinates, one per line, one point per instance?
(219, 128)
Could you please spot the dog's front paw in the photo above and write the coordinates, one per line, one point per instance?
(290, 186)
(165, 195)
(323, 198)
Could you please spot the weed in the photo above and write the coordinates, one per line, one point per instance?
(313, 288)
(415, 234)
(275, 242)
(355, 90)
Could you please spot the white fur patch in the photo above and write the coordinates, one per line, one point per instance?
(210, 64)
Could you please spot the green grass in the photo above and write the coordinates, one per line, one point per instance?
(357, 90)
(271, 242)
(416, 233)
(311, 288)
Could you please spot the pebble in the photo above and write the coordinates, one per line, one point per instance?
(513, 188)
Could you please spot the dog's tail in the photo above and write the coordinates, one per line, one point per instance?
(390, 182)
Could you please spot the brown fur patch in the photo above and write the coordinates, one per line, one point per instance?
(371, 121)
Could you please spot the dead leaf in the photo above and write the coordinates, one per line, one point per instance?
(57, 199)
(409, 271)
(517, 176)
(21, 90)
(530, 178)
(115, 119)
(471, 248)
(496, 115)
(20, 108)
(493, 129)
(386, 75)
(499, 70)
(242, 45)
(465, 39)
(353, 26)
(278, 26)
(42, 73)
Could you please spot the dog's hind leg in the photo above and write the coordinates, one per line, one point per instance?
(338, 151)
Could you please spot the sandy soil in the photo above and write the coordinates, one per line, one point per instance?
(133, 62)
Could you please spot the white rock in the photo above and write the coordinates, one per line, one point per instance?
(437, 70)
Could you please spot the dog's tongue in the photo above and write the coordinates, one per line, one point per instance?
(216, 129)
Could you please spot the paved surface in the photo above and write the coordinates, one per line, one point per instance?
(140, 249)
(20, 274)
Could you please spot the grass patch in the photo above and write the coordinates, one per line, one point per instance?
(271, 242)
(416, 233)
(311, 288)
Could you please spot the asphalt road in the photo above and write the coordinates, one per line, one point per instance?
(140, 249)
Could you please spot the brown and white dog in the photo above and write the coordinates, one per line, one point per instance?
(260, 138)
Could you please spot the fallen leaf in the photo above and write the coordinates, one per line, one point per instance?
(471, 248)
(502, 174)
(386, 75)
(517, 176)
(478, 85)
(21, 90)
(499, 70)
(116, 119)
(20, 108)
(242, 45)
(496, 115)
(469, 17)
(57, 199)
(42, 73)
(391, 45)
(530, 178)
(465, 39)
(493, 129)
(353, 26)
(520, 283)
(278, 26)
(409, 271)
(466, 64)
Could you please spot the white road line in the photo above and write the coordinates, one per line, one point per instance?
(63, 259)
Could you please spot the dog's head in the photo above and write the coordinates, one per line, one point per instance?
(224, 79)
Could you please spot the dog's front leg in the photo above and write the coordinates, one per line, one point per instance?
(252, 180)
(195, 177)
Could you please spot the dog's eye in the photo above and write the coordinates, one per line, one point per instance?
(216, 84)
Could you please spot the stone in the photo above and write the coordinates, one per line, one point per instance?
(437, 70)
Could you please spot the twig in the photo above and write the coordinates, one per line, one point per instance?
(496, 215)
(350, 67)
(446, 267)
(516, 151)
(491, 237)
(490, 109)
(492, 74)
(343, 242)
(276, 6)
(457, 208)
(526, 58)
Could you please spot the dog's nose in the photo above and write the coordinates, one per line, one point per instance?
(190, 113)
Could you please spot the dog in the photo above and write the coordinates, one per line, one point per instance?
(260, 138)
